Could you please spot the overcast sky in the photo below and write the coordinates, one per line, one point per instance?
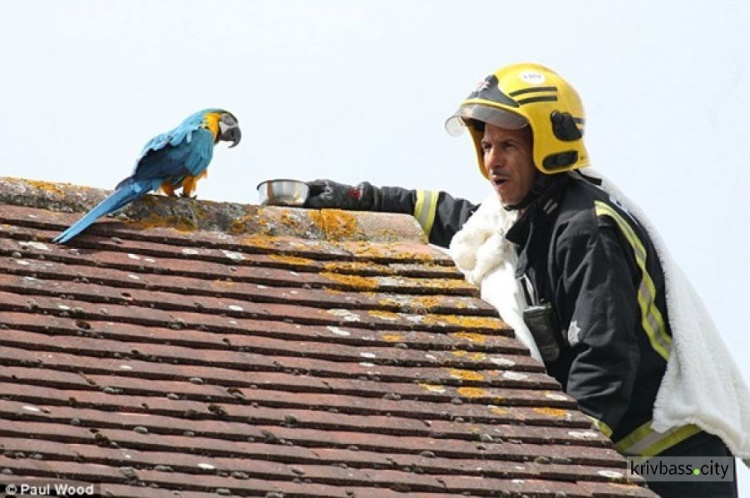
(359, 90)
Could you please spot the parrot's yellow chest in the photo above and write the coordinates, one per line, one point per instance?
(211, 121)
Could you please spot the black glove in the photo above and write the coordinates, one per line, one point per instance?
(329, 194)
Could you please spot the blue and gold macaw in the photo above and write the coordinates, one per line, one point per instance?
(170, 161)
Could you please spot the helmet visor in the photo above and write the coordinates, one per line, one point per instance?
(495, 116)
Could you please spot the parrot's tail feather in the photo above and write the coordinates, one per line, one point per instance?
(117, 200)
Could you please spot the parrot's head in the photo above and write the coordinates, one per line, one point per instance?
(223, 124)
(229, 129)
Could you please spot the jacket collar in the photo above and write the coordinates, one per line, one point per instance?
(541, 209)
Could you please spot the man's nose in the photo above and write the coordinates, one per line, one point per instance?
(493, 159)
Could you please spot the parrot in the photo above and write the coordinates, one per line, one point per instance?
(169, 161)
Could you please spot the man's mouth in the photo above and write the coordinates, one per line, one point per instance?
(499, 181)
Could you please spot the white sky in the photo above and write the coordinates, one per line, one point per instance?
(359, 90)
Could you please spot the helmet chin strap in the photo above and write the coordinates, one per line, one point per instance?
(541, 183)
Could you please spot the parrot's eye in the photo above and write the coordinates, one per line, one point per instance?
(228, 119)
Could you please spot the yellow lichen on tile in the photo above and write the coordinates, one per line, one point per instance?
(351, 280)
(443, 283)
(291, 221)
(474, 356)
(335, 223)
(425, 302)
(384, 315)
(416, 256)
(435, 388)
(471, 392)
(393, 251)
(247, 223)
(467, 322)
(393, 337)
(553, 412)
(419, 305)
(499, 410)
(292, 260)
(258, 240)
(387, 301)
(52, 188)
(466, 374)
(357, 267)
(470, 336)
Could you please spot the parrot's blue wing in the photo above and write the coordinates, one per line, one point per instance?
(156, 143)
(181, 134)
(174, 162)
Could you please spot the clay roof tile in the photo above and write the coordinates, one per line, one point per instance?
(214, 349)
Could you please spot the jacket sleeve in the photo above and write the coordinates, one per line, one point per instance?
(597, 297)
(439, 214)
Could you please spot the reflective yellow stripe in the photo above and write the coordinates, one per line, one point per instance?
(671, 438)
(632, 438)
(644, 441)
(651, 318)
(606, 430)
(426, 208)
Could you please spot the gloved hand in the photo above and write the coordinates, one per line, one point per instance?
(329, 194)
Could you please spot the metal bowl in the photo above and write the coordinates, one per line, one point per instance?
(283, 192)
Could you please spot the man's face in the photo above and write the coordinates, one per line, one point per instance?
(509, 162)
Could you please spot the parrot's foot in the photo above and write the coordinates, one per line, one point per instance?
(188, 196)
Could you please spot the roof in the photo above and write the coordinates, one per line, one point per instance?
(194, 349)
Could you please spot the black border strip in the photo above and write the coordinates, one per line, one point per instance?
(534, 89)
(530, 100)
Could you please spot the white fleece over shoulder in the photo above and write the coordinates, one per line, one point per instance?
(488, 261)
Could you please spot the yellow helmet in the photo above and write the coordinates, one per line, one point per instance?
(528, 94)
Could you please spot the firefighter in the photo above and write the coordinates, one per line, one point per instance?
(593, 286)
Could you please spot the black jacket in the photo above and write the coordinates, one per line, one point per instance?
(583, 253)
(594, 263)
(440, 214)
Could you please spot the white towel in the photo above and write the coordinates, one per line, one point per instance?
(702, 384)
(488, 261)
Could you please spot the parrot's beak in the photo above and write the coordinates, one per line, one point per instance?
(233, 135)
